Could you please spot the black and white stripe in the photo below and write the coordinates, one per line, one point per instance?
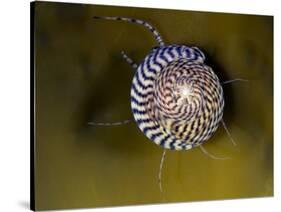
(160, 116)
(137, 21)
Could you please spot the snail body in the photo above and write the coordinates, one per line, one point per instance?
(176, 99)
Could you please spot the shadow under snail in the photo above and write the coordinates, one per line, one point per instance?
(176, 99)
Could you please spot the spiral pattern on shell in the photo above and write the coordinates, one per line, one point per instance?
(176, 99)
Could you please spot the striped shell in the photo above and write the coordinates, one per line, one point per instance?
(176, 99)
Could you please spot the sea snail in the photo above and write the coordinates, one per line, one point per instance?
(176, 99)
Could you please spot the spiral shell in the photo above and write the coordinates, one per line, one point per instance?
(176, 99)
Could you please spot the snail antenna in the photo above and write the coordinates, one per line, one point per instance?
(155, 33)
(234, 80)
(108, 124)
(160, 170)
(129, 60)
(228, 133)
(210, 155)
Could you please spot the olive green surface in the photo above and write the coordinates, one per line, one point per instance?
(81, 77)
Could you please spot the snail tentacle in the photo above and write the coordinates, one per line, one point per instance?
(155, 33)
(129, 60)
(108, 124)
(228, 133)
(211, 155)
(160, 170)
(234, 80)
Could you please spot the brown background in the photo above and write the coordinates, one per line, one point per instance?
(81, 77)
